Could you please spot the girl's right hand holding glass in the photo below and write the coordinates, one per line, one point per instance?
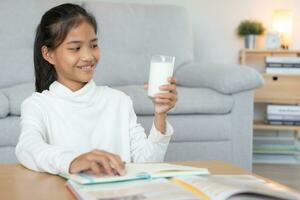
(98, 162)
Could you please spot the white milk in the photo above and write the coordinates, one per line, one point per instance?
(159, 74)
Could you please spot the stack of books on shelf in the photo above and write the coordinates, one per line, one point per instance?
(275, 149)
(275, 145)
(282, 65)
(283, 115)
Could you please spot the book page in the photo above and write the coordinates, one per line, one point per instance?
(156, 170)
(156, 189)
(221, 187)
(135, 171)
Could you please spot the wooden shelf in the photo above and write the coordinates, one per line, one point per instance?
(275, 152)
(263, 51)
(244, 52)
(265, 75)
(281, 89)
(277, 101)
(261, 125)
(278, 88)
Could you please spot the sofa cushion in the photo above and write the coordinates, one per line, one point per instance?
(16, 95)
(208, 150)
(9, 131)
(227, 79)
(196, 128)
(190, 101)
(4, 105)
(130, 33)
(7, 155)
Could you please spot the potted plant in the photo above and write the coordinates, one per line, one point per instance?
(249, 29)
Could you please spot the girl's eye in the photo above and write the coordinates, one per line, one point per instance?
(75, 49)
(94, 46)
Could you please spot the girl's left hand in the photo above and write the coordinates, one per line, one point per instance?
(163, 102)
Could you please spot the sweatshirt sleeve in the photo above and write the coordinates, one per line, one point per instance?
(32, 150)
(151, 149)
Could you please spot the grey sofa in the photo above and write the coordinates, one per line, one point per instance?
(213, 117)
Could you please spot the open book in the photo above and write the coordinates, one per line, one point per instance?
(147, 189)
(222, 187)
(136, 171)
(214, 187)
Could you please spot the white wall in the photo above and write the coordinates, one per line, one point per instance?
(215, 21)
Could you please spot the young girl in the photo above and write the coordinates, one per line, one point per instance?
(69, 124)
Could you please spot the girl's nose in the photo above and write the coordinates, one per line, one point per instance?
(87, 58)
(87, 55)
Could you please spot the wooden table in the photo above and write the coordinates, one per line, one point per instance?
(17, 182)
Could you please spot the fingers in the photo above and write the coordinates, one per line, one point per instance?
(99, 163)
(79, 164)
(117, 163)
(95, 168)
(111, 163)
(163, 101)
(91, 162)
(114, 162)
(171, 96)
(167, 99)
(146, 85)
(170, 87)
(167, 102)
(105, 163)
(172, 80)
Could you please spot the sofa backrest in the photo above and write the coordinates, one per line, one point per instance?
(19, 19)
(128, 33)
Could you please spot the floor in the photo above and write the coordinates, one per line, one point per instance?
(287, 174)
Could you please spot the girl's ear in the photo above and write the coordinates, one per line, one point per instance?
(48, 55)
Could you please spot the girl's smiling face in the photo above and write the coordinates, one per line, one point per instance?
(75, 59)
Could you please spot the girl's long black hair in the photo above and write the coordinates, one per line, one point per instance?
(51, 32)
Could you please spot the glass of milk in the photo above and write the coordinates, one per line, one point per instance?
(161, 68)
